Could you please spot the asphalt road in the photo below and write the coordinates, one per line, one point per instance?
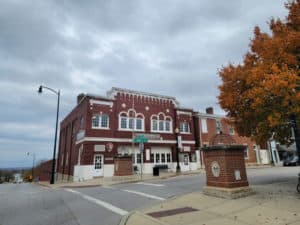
(27, 204)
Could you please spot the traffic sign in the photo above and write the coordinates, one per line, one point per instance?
(140, 139)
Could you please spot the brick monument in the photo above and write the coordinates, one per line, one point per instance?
(123, 166)
(225, 168)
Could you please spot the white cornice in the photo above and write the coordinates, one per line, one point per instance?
(179, 112)
(129, 140)
(209, 116)
(100, 102)
(113, 92)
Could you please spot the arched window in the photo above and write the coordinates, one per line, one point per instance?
(131, 121)
(161, 123)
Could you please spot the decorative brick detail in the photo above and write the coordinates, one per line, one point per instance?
(228, 161)
(221, 138)
(123, 166)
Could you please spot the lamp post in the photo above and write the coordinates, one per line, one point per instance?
(56, 125)
(296, 134)
(177, 151)
(33, 162)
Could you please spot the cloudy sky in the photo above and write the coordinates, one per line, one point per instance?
(169, 47)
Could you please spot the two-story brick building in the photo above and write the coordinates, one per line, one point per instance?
(102, 127)
(209, 124)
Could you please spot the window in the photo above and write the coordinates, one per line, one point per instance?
(132, 122)
(157, 158)
(104, 121)
(123, 122)
(204, 125)
(246, 155)
(100, 121)
(138, 158)
(139, 124)
(218, 126)
(163, 158)
(184, 127)
(154, 125)
(95, 121)
(98, 162)
(161, 123)
(168, 125)
(152, 157)
(168, 157)
(231, 130)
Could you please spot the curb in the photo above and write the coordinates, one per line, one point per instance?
(66, 185)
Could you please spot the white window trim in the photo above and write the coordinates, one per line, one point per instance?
(204, 125)
(184, 132)
(233, 131)
(164, 124)
(100, 122)
(219, 121)
(134, 122)
(247, 148)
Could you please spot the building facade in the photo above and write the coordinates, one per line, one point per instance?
(208, 125)
(100, 128)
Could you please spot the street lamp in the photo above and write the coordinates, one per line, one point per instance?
(55, 138)
(296, 134)
(177, 151)
(33, 160)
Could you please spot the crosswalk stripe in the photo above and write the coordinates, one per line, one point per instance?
(145, 195)
(151, 184)
(101, 203)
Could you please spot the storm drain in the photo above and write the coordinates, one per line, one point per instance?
(172, 212)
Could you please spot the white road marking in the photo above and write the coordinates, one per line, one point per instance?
(101, 203)
(151, 184)
(145, 195)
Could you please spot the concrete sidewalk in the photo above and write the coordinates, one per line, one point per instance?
(277, 203)
(106, 181)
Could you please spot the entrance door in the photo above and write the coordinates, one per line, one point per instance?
(98, 165)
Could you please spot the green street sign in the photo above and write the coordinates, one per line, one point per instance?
(140, 139)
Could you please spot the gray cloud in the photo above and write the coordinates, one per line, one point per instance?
(167, 47)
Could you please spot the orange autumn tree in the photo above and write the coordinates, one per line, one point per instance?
(262, 94)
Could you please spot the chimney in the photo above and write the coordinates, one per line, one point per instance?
(80, 97)
(210, 110)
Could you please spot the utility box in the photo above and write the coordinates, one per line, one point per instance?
(226, 175)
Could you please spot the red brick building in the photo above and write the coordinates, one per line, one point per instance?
(208, 125)
(43, 171)
(102, 127)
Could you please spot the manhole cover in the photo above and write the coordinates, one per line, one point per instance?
(172, 212)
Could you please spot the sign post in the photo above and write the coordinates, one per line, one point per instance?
(141, 139)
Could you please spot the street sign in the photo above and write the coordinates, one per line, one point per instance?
(140, 139)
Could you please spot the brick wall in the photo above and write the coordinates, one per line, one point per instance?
(43, 171)
(211, 131)
(121, 102)
(123, 166)
(229, 160)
